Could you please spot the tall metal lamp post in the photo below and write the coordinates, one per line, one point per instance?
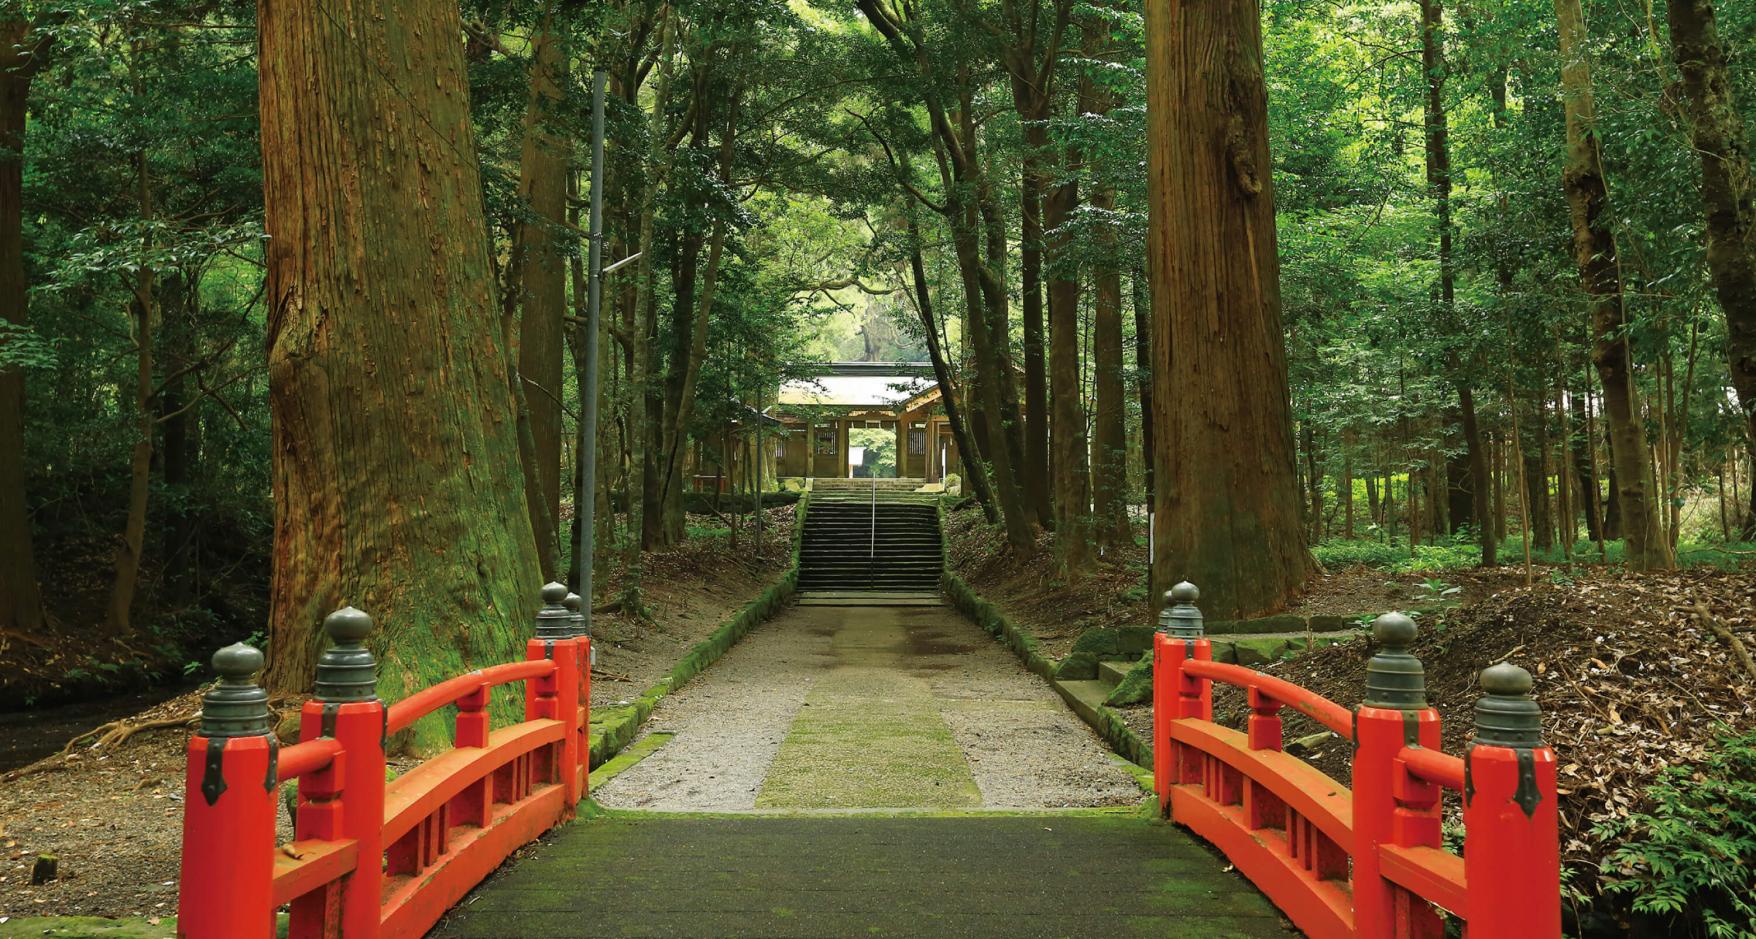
(584, 500)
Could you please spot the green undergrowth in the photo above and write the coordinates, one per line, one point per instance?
(1690, 861)
(1461, 553)
(614, 728)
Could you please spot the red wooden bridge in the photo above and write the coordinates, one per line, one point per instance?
(370, 858)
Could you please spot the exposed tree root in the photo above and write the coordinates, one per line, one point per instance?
(1706, 618)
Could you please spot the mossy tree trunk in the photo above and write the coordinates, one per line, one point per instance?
(396, 474)
(21, 59)
(541, 281)
(1227, 496)
(1594, 248)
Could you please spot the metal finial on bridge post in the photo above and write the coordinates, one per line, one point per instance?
(1395, 678)
(226, 886)
(347, 671)
(346, 801)
(1180, 617)
(1511, 813)
(576, 613)
(236, 706)
(553, 620)
(1506, 714)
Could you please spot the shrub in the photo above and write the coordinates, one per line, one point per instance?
(1692, 857)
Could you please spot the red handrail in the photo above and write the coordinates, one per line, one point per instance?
(371, 859)
(403, 714)
(1432, 766)
(303, 759)
(1369, 862)
(1309, 703)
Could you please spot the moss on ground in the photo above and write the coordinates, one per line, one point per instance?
(87, 927)
(1136, 686)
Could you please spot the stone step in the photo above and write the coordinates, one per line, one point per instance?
(1086, 697)
(1111, 673)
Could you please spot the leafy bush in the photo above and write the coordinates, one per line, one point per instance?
(1692, 858)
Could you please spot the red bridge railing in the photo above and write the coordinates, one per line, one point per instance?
(1369, 863)
(371, 859)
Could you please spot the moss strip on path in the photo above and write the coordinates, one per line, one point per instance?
(655, 874)
(870, 733)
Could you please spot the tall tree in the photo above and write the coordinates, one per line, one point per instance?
(966, 196)
(1594, 249)
(23, 53)
(539, 286)
(1226, 486)
(1109, 445)
(1728, 194)
(395, 460)
(1030, 38)
(1070, 469)
(1439, 188)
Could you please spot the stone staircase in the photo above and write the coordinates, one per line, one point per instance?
(870, 545)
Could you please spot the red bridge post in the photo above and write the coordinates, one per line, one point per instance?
(557, 696)
(1181, 637)
(582, 736)
(345, 801)
(1512, 848)
(1387, 809)
(227, 881)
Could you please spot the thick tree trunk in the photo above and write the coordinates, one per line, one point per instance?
(397, 485)
(1594, 247)
(21, 603)
(1728, 189)
(541, 279)
(1228, 515)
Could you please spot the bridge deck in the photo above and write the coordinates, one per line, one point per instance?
(858, 759)
(1014, 876)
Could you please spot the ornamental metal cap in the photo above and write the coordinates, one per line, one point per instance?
(1394, 678)
(347, 671)
(235, 706)
(576, 613)
(553, 620)
(1506, 714)
(1180, 617)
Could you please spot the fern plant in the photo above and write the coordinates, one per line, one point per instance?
(1692, 857)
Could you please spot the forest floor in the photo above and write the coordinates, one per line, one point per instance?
(1633, 671)
(112, 814)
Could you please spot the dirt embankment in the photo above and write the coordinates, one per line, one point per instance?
(113, 815)
(1032, 594)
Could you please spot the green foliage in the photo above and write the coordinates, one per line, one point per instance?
(1691, 857)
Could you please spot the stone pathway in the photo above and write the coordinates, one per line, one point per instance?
(1001, 876)
(850, 708)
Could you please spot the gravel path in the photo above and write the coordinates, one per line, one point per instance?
(883, 707)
